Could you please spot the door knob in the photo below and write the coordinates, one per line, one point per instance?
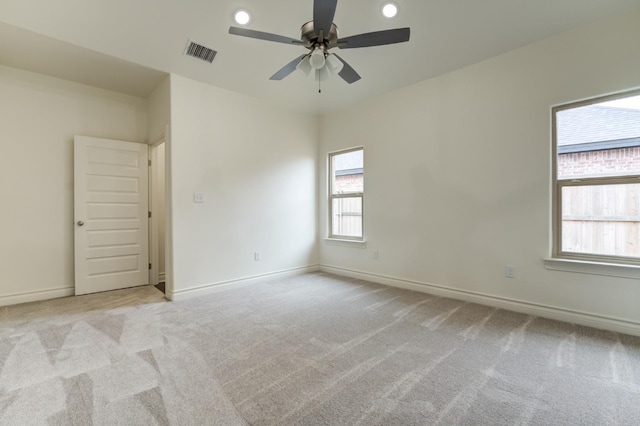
(80, 223)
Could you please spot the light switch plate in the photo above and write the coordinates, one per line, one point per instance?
(510, 271)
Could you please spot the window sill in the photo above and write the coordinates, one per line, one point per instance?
(345, 243)
(593, 268)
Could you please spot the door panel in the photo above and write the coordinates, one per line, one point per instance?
(109, 211)
(113, 238)
(119, 185)
(111, 214)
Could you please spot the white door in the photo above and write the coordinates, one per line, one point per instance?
(111, 214)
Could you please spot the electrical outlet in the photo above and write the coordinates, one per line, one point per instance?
(376, 255)
(510, 271)
(198, 197)
(256, 256)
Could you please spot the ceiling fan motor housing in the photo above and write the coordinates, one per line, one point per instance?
(312, 40)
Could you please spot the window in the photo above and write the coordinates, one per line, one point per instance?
(346, 190)
(596, 166)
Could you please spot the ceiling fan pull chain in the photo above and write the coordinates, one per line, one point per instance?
(319, 87)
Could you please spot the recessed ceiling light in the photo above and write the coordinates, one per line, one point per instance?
(389, 10)
(242, 17)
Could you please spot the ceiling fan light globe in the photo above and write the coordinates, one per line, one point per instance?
(316, 59)
(305, 66)
(334, 64)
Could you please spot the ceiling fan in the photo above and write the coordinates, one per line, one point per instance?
(321, 35)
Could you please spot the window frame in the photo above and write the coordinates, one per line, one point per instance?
(559, 184)
(332, 196)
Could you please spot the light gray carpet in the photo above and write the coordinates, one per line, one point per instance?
(309, 350)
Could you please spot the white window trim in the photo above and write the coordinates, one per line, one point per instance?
(618, 266)
(362, 244)
(592, 268)
(332, 196)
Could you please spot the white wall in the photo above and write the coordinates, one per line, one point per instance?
(457, 173)
(256, 167)
(159, 110)
(39, 116)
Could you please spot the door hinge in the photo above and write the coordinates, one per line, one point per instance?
(149, 266)
(149, 163)
(149, 214)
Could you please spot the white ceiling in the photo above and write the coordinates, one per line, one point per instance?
(103, 42)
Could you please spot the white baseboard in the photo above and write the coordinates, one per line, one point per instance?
(37, 295)
(552, 312)
(225, 285)
(161, 277)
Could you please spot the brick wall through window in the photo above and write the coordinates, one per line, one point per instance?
(593, 163)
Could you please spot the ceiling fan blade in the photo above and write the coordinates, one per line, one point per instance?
(323, 13)
(377, 38)
(260, 35)
(287, 69)
(348, 74)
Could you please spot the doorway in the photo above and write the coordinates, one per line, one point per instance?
(157, 220)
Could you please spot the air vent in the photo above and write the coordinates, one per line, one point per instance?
(198, 51)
